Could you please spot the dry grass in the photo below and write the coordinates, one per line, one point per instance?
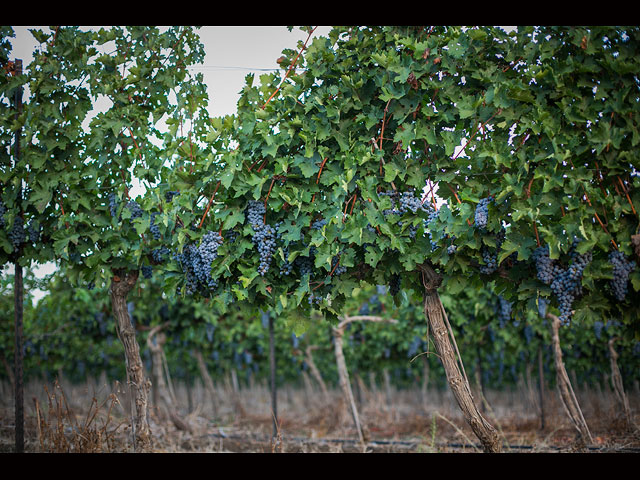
(90, 419)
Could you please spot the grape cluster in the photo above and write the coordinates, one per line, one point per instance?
(565, 283)
(286, 267)
(432, 214)
(622, 267)
(155, 229)
(546, 268)
(136, 210)
(255, 213)
(318, 224)
(504, 311)
(147, 271)
(195, 262)
(490, 256)
(482, 213)
(33, 232)
(158, 254)
(542, 307)
(3, 210)
(407, 201)
(336, 268)
(113, 204)
(210, 329)
(208, 248)
(17, 235)
(168, 196)
(264, 239)
(314, 299)
(414, 346)
(264, 236)
(372, 306)
(304, 264)
(597, 328)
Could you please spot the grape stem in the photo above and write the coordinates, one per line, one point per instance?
(209, 204)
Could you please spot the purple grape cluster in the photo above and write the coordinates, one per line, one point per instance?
(504, 311)
(113, 204)
(208, 248)
(264, 236)
(17, 235)
(622, 267)
(543, 303)
(3, 210)
(490, 256)
(196, 261)
(286, 268)
(159, 254)
(482, 213)
(154, 228)
(565, 283)
(33, 232)
(147, 271)
(136, 210)
(168, 196)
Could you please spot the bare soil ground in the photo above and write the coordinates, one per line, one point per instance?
(94, 418)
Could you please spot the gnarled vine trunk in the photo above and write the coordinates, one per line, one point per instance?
(343, 373)
(155, 342)
(618, 387)
(208, 382)
(121, 284)
(567, 395)
(459, 384)
(316, 373)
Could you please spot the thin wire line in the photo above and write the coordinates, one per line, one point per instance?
(230, 67)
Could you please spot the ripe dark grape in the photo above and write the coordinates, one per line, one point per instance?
(159, 254)
(565, 283)
(3, 210)
(318, 224)
(542, 307)
(597, 328)
(544, 265)
(504, 311)
(147, 271)
(336, 267)
(305, 265)
(32, 231)
(17, 235)
(196, 261)
(113, 204)
(136, 210)
(622, 267)
(490, 256)
(482, 213)
(286, 268)
(168, 196)
(153, 227)
(255, 213)
(264, 236)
